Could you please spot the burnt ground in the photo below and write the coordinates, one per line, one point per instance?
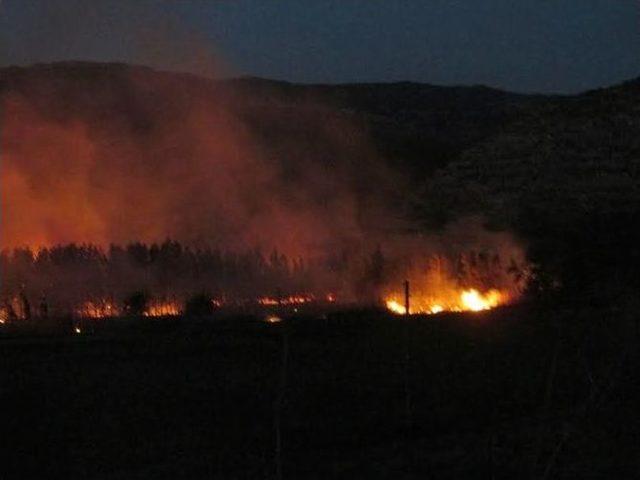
(519, 392)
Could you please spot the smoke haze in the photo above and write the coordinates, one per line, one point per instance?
(105, 154)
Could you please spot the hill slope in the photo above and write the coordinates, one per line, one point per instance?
(562, 170)
(417, 127)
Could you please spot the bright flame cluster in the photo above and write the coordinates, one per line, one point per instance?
(470, 300)
(97, 309)
(106, 308)
(162, 309)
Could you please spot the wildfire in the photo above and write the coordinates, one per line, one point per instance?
(4, 314)
(105, 308)
(273, 319)
(396, 307)
(290, 300)
(14, 308)
(470, 300)
(162, 309)
(97, 309)
(475, 301)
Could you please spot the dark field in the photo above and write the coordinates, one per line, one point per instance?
(520, 392)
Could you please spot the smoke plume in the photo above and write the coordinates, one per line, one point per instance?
(103, 154)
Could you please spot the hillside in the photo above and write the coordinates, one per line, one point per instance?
(510, 146)
(566, 155)
(563, 171)
(416, 127)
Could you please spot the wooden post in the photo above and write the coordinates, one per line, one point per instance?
(407, 309)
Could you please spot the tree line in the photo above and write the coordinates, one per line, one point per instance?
(59, 278)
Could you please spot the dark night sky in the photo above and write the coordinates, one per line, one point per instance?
(521, 45)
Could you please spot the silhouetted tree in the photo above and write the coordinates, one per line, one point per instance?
(136, 303)
(199, 305)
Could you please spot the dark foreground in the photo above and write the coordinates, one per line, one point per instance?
(522, 392)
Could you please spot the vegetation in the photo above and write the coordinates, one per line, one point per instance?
(545, 389)
(130, 278)
(135, 305)
(551, 168)
(524, 392)
(199, 305)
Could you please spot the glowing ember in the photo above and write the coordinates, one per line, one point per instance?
(470, 300)
(273, 319)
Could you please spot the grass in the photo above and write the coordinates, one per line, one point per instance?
(189, 398)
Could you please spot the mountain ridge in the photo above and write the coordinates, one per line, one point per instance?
(442, 138)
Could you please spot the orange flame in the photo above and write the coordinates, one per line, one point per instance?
(106, 308)
(162, 309)
(470, 300)
(290, 300)
(97, 309)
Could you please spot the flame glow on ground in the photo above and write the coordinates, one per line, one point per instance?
(470, 300)
(463, 300)
(291, 300)
(108, 308)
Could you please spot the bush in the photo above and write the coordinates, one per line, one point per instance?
(136, 304)
(199, 305)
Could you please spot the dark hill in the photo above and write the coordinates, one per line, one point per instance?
(493, 149)
(417, 127)
(573, 154)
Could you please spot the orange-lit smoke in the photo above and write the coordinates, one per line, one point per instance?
(465, 269)
(103, 154)
(107, 154)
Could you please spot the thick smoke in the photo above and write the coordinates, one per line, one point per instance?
(111, 154)
(237, 171)
(127, 154)
(105, 154)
